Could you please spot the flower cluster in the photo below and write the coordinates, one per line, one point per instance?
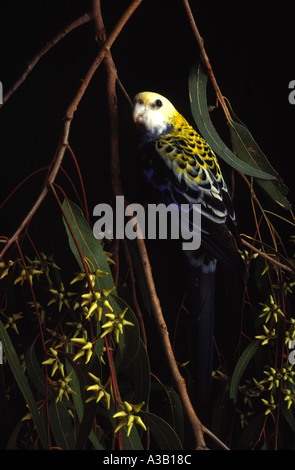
(63, 388)
(269, 334)
(11, 321)
(128, 416)
(271, 310)
(290, 333)
(61, 297)
(55, 362)
(98, 390)
(275, 379)
(115, 324)
(4, 268)
(89, 315)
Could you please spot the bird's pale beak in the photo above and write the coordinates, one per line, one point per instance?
(139, 113)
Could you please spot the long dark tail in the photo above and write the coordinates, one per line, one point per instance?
(201, 290)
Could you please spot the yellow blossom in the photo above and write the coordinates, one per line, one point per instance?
(127, 416)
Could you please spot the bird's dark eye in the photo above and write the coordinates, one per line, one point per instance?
(157, 104)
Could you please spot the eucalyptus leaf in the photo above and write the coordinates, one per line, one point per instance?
(249, 151)
(81, 234)
(171, 400)
(199, 108)
(61, 426)
(251, 432)
(140, 368)
(23, 384)
(249, 158)
(162, 432)
(241, 365)
(129, 339)
(35, 372)
(288, 414)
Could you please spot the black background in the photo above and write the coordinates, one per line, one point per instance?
(251, 50)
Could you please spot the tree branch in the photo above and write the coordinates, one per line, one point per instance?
(205, 58)
(68, 119)
(33, 62)
(164, 335)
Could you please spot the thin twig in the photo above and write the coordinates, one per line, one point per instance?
(117, 190)
(214, 438)
(68, 119)
(33, 62)
(267, 257)
(163, 331)
(133, 290)
(205, 58)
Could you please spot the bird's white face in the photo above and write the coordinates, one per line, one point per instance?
(153, 112)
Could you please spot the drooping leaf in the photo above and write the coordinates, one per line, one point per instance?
(130, 338)
(221, 413)
(83, 243)
(4, 417)
(249, 151)
(249, 158)
(288, 414)
(241, 365)
(90, 247)
(162, 432)
(198, 101)
(61, 426)
(79, 380)
(251, 432)
(86, 426)
(23, 384)
(140, 368)
(174, 413)
(139, 275)
(35, 372)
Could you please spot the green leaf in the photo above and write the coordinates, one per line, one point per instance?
(172, 406)
(90, 247)
(241, 365)
(251, 433)
(80, 235)
(61, 426)
(129, 340)
(35, 371)
(221, 413)
(163, 433)
(86, 426)
(80, 379)
(198, 100)
(139, 275)
(249, 151)
(23, 384)
(140, 368)
(4, 417)
(288, 414)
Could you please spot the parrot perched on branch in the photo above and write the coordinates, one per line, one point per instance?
(183, 169)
